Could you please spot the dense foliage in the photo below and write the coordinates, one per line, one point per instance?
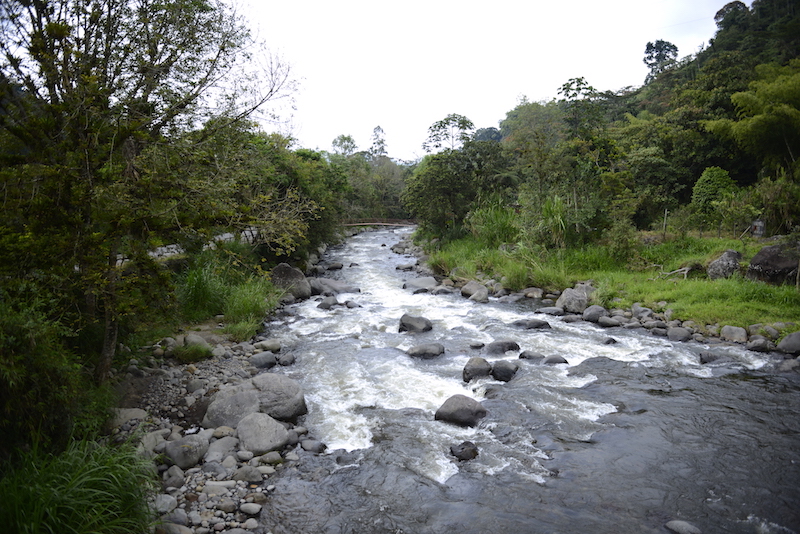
(706, 143)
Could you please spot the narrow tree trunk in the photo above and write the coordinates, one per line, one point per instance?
(111, 324)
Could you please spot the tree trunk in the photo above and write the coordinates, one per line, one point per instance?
(111, 324)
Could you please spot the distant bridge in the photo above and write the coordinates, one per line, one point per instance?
(379, 222)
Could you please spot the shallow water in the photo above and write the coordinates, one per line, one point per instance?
(622, 438)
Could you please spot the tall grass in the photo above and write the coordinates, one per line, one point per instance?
(89, 488)
(228, 280)
(735, 301)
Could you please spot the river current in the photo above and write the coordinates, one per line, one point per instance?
(623, 438)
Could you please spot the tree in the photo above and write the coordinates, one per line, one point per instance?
(658, 57)
(85, 87)
(378, 148)
(450, 132)
(344, 145)
(769, 117)
(583, 113)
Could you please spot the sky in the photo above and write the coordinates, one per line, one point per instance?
(405, 65)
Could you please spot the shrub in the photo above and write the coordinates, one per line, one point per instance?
(89, 488)
(191, 353)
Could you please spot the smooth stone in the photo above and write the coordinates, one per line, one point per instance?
(682, 527)
(250, 508)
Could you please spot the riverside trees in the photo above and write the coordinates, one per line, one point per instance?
(123, 126)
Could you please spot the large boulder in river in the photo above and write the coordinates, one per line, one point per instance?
(461, 410)
(410, 323)
(280, 396)
(259, 433)
(291, 279)
(724, 266)
(426, 351)
(504, 370)
(775, 264)
(575, 299)
(476, 368)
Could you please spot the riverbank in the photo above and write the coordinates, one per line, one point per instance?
(176, 397)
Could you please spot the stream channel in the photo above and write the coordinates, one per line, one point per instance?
(622, 439)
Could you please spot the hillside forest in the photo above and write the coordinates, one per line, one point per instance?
(128, 126)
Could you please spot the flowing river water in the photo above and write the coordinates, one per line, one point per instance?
(623, 438)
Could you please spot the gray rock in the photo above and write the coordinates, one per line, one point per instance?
(263, 360)
(682, 527)
(679, 333)
(775, 264)
(229, 406)
(640, 312)
(480, 295)
(425, 282)
(313, 445)
(426, 351)
(287, 359)
(530, 355)
(735, 334)
(248, 473)
(531, 324)
(461, 410)
(291, 280)
(164, 503)
(172, 528)
(464, 451)
(575, 300)
(260, 433)
(195, 384)
(476, 368)
(272, 345)
(471, 287)
(759, 344)
(280, 396)
(554, 360)
(551, 310)
(594, 312)
(327, 303)
(220, 449)
(504, 370)
(410, 323)
(790, 344)
(187, 451)
(608, 322)
(123, 415)
(501, 347)
(250, 508)
(724, 266)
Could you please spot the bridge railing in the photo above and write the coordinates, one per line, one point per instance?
(379, 222)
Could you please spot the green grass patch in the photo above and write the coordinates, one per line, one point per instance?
(191, 353)
(735, 301)
(89, 488)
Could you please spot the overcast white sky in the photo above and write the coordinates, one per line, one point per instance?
(405, 65)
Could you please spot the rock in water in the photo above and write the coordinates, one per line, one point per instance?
(280, 396)
(409, 323)
(476, 368)
(682, 527)
(426, 351)
(501, 347)
(461, 410)
(504, 370)
(464, 451)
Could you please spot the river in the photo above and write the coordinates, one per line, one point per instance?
(623, 438)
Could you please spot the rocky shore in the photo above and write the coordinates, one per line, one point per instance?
(220, 430)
